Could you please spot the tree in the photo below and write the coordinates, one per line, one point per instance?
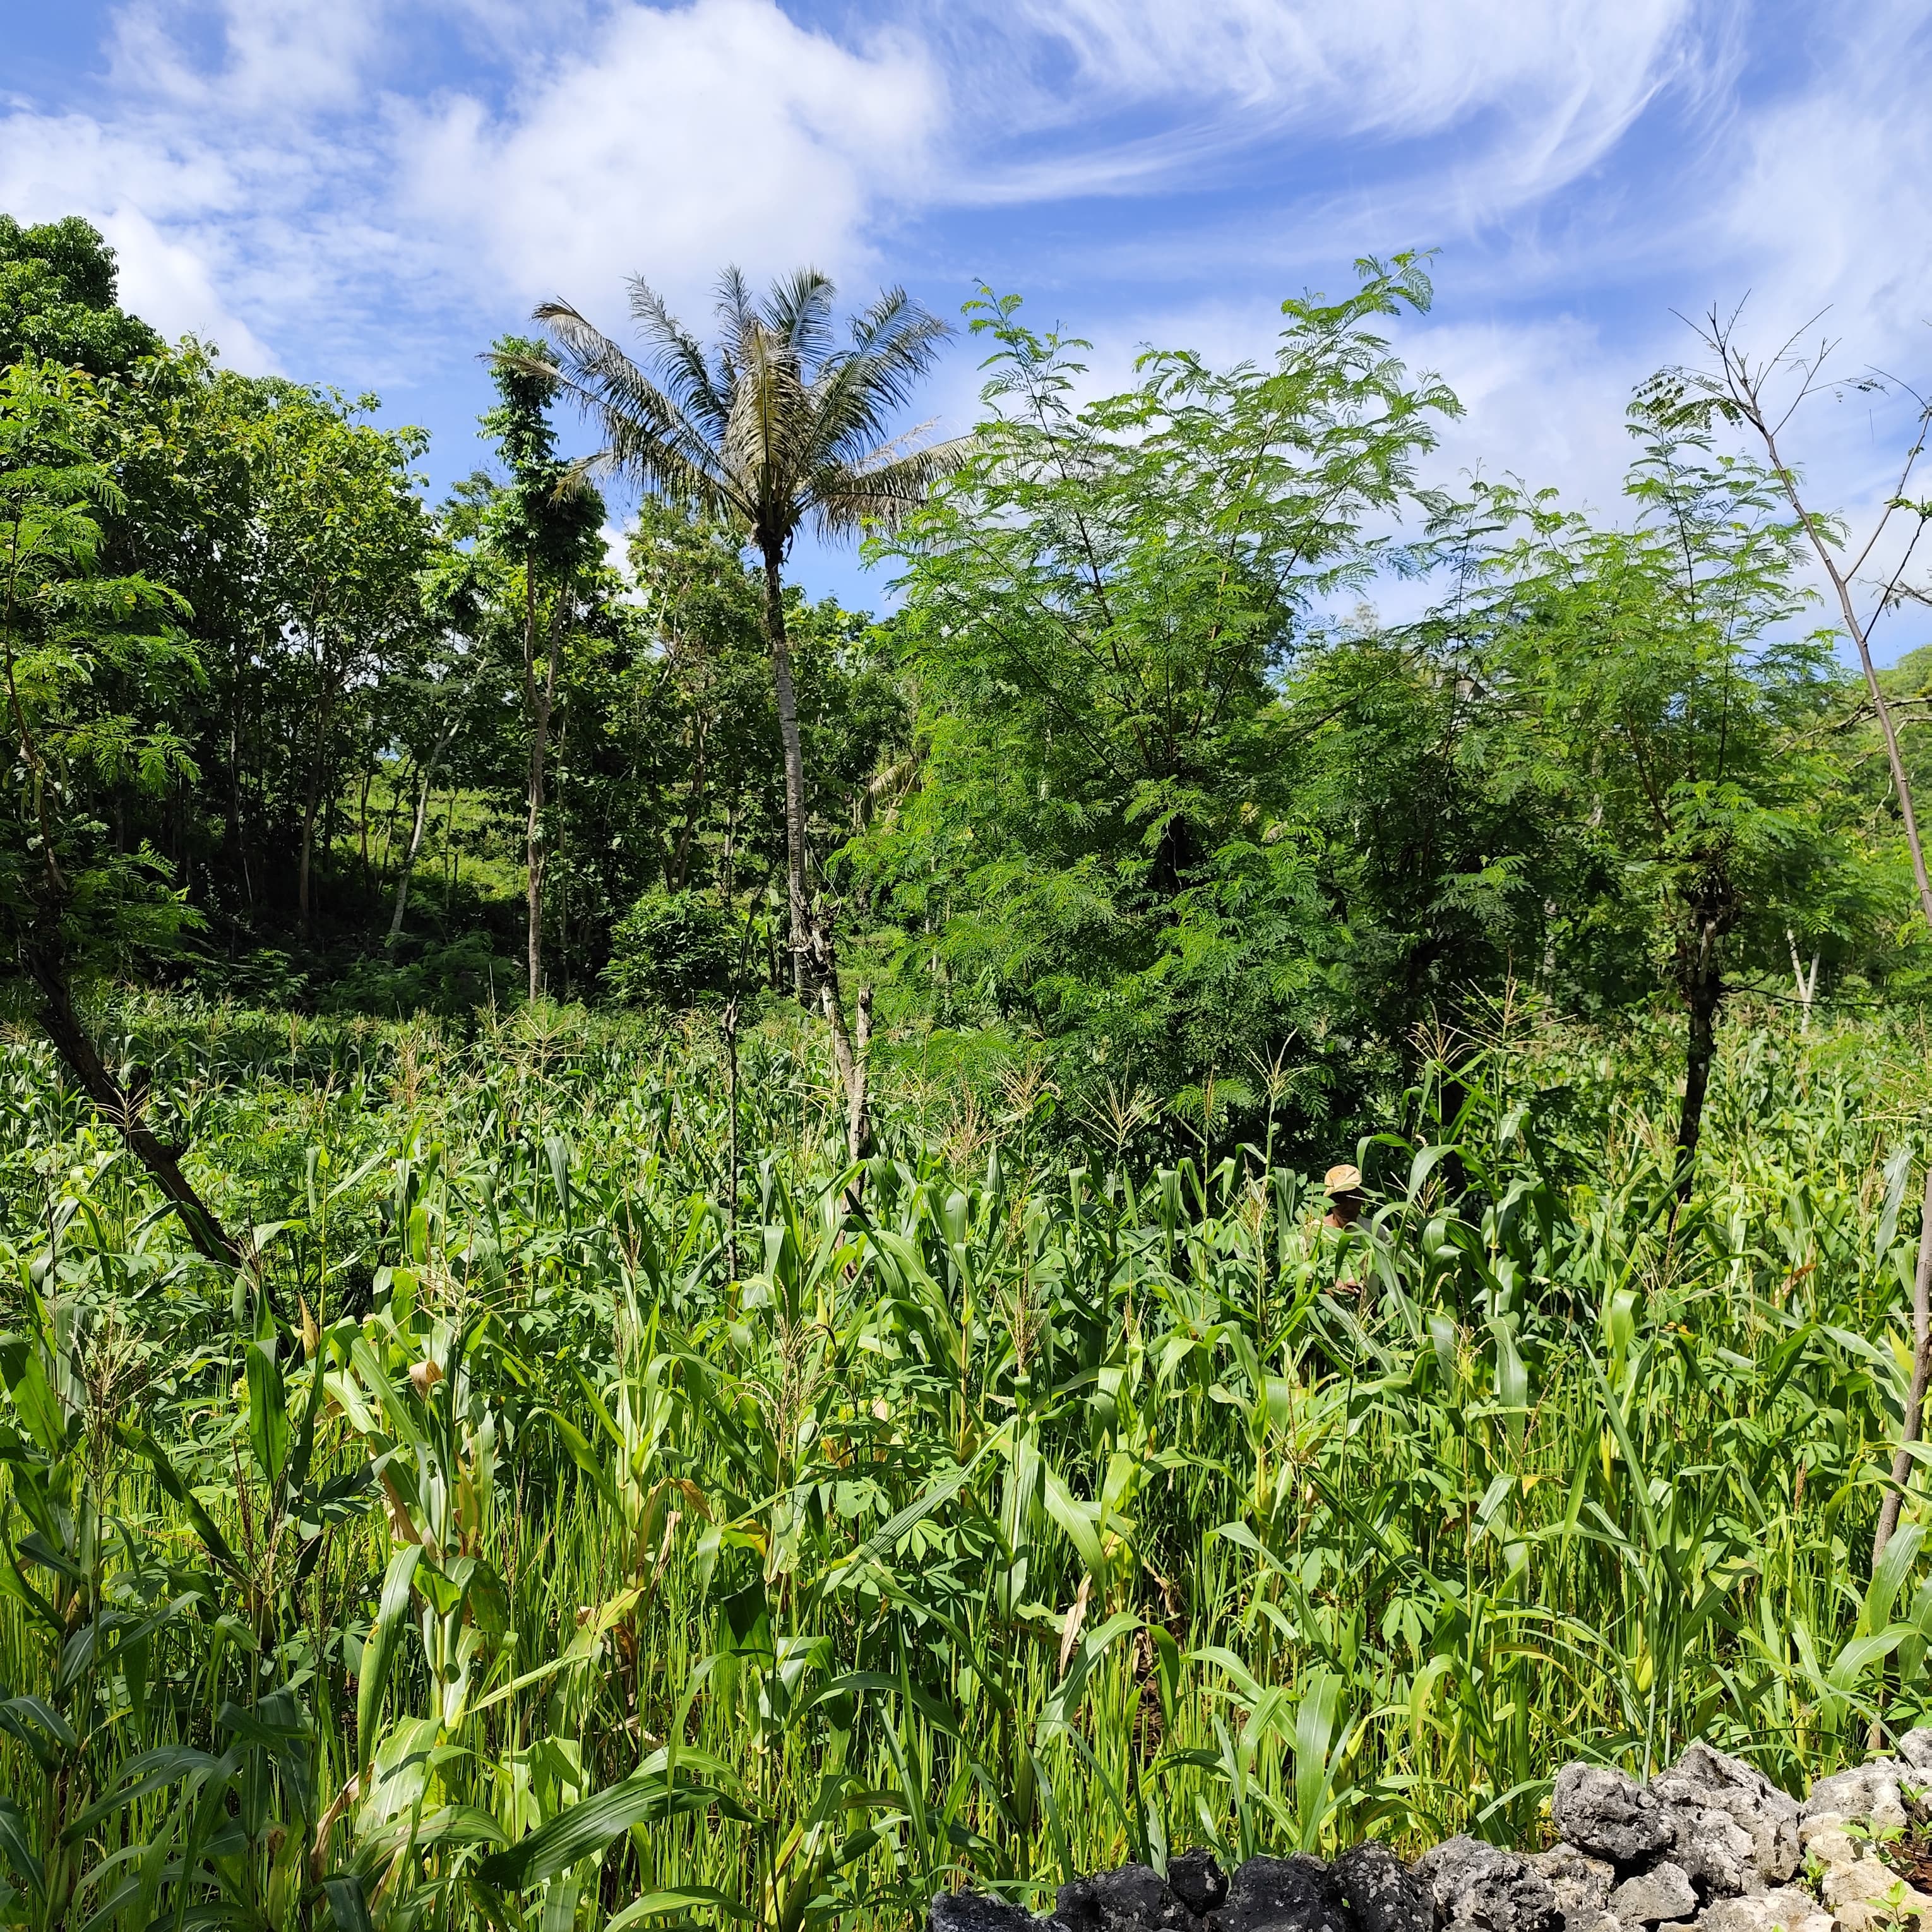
(57, 300)
(429, 700)
(344, 531)
(547, 522)
(93, 665)
(1682, 727)
(780, 427)
(1105, 612)
(1762, 398)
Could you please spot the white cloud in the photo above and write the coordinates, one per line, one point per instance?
(280, 59)
(376, 185)
(680, 139)
(1544, 400)
(55, 165)
(265, 184)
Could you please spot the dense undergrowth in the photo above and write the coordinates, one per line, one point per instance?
(526, 1540)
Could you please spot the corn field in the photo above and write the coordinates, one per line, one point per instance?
(591, 1508)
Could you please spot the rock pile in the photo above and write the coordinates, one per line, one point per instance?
(1709, 1844)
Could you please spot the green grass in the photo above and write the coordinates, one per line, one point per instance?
(1001, 1517)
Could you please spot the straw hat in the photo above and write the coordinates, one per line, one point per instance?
(1345, 1179)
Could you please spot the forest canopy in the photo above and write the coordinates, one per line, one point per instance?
(1130, 775)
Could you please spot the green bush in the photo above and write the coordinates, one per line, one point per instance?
(448, 979)
(672, 950)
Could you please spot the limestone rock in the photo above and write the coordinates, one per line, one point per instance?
(1296, 1894)
(1868, 1894)
(1602, 1811)
(1582, 1885)
(1784, 1909)
(1382, 1893)
(1652, 1897)
(1827, 1843)
(1197, 1881)
(1868, 1794)
(1915, 1749)
(1482, 1886)
(974, 1911)
(1733, 1831)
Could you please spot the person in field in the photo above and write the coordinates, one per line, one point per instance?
(1343, 1185)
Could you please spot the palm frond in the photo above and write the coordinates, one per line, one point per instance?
(798, 311)
(686, 375)
(857, 395)
(647, 437)
(884, 491)
(739, 325)
(773, 425)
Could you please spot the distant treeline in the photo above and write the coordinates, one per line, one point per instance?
(1133, 772)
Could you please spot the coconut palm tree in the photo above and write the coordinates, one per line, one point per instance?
(782, 425)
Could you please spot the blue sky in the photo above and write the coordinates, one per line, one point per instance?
(364, 192)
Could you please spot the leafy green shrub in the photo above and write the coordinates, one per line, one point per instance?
(447, 979)
(672, 950)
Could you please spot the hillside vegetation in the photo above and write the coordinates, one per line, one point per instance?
(677, 1257)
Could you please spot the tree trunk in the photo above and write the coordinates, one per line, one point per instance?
(418, 832)
(77, 1050)
(849, 1050)
(1703, 995)
(798, 905)
(1807, 985)
(308, 850)
(409, 861)
(311, 803)
(539, 698)
(678, 867)
(815, 964)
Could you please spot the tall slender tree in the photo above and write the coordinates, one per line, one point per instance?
(547, 522)
(780, 426)
(1760, 397)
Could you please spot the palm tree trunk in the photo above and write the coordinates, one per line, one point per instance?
(71, 1041)
(815, 964)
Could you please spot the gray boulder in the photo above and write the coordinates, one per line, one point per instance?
(1133, 1899)
(1296, 1894)
(1654, 1897)
(1868, 1794)
(1197, 1881)
(1603, 1811)
(1382, 1893)
(1784, 1909)
(1733, 1831)
(1582, 1884)
(1915, 1749)
(974, 1911)
(1482, 1886)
